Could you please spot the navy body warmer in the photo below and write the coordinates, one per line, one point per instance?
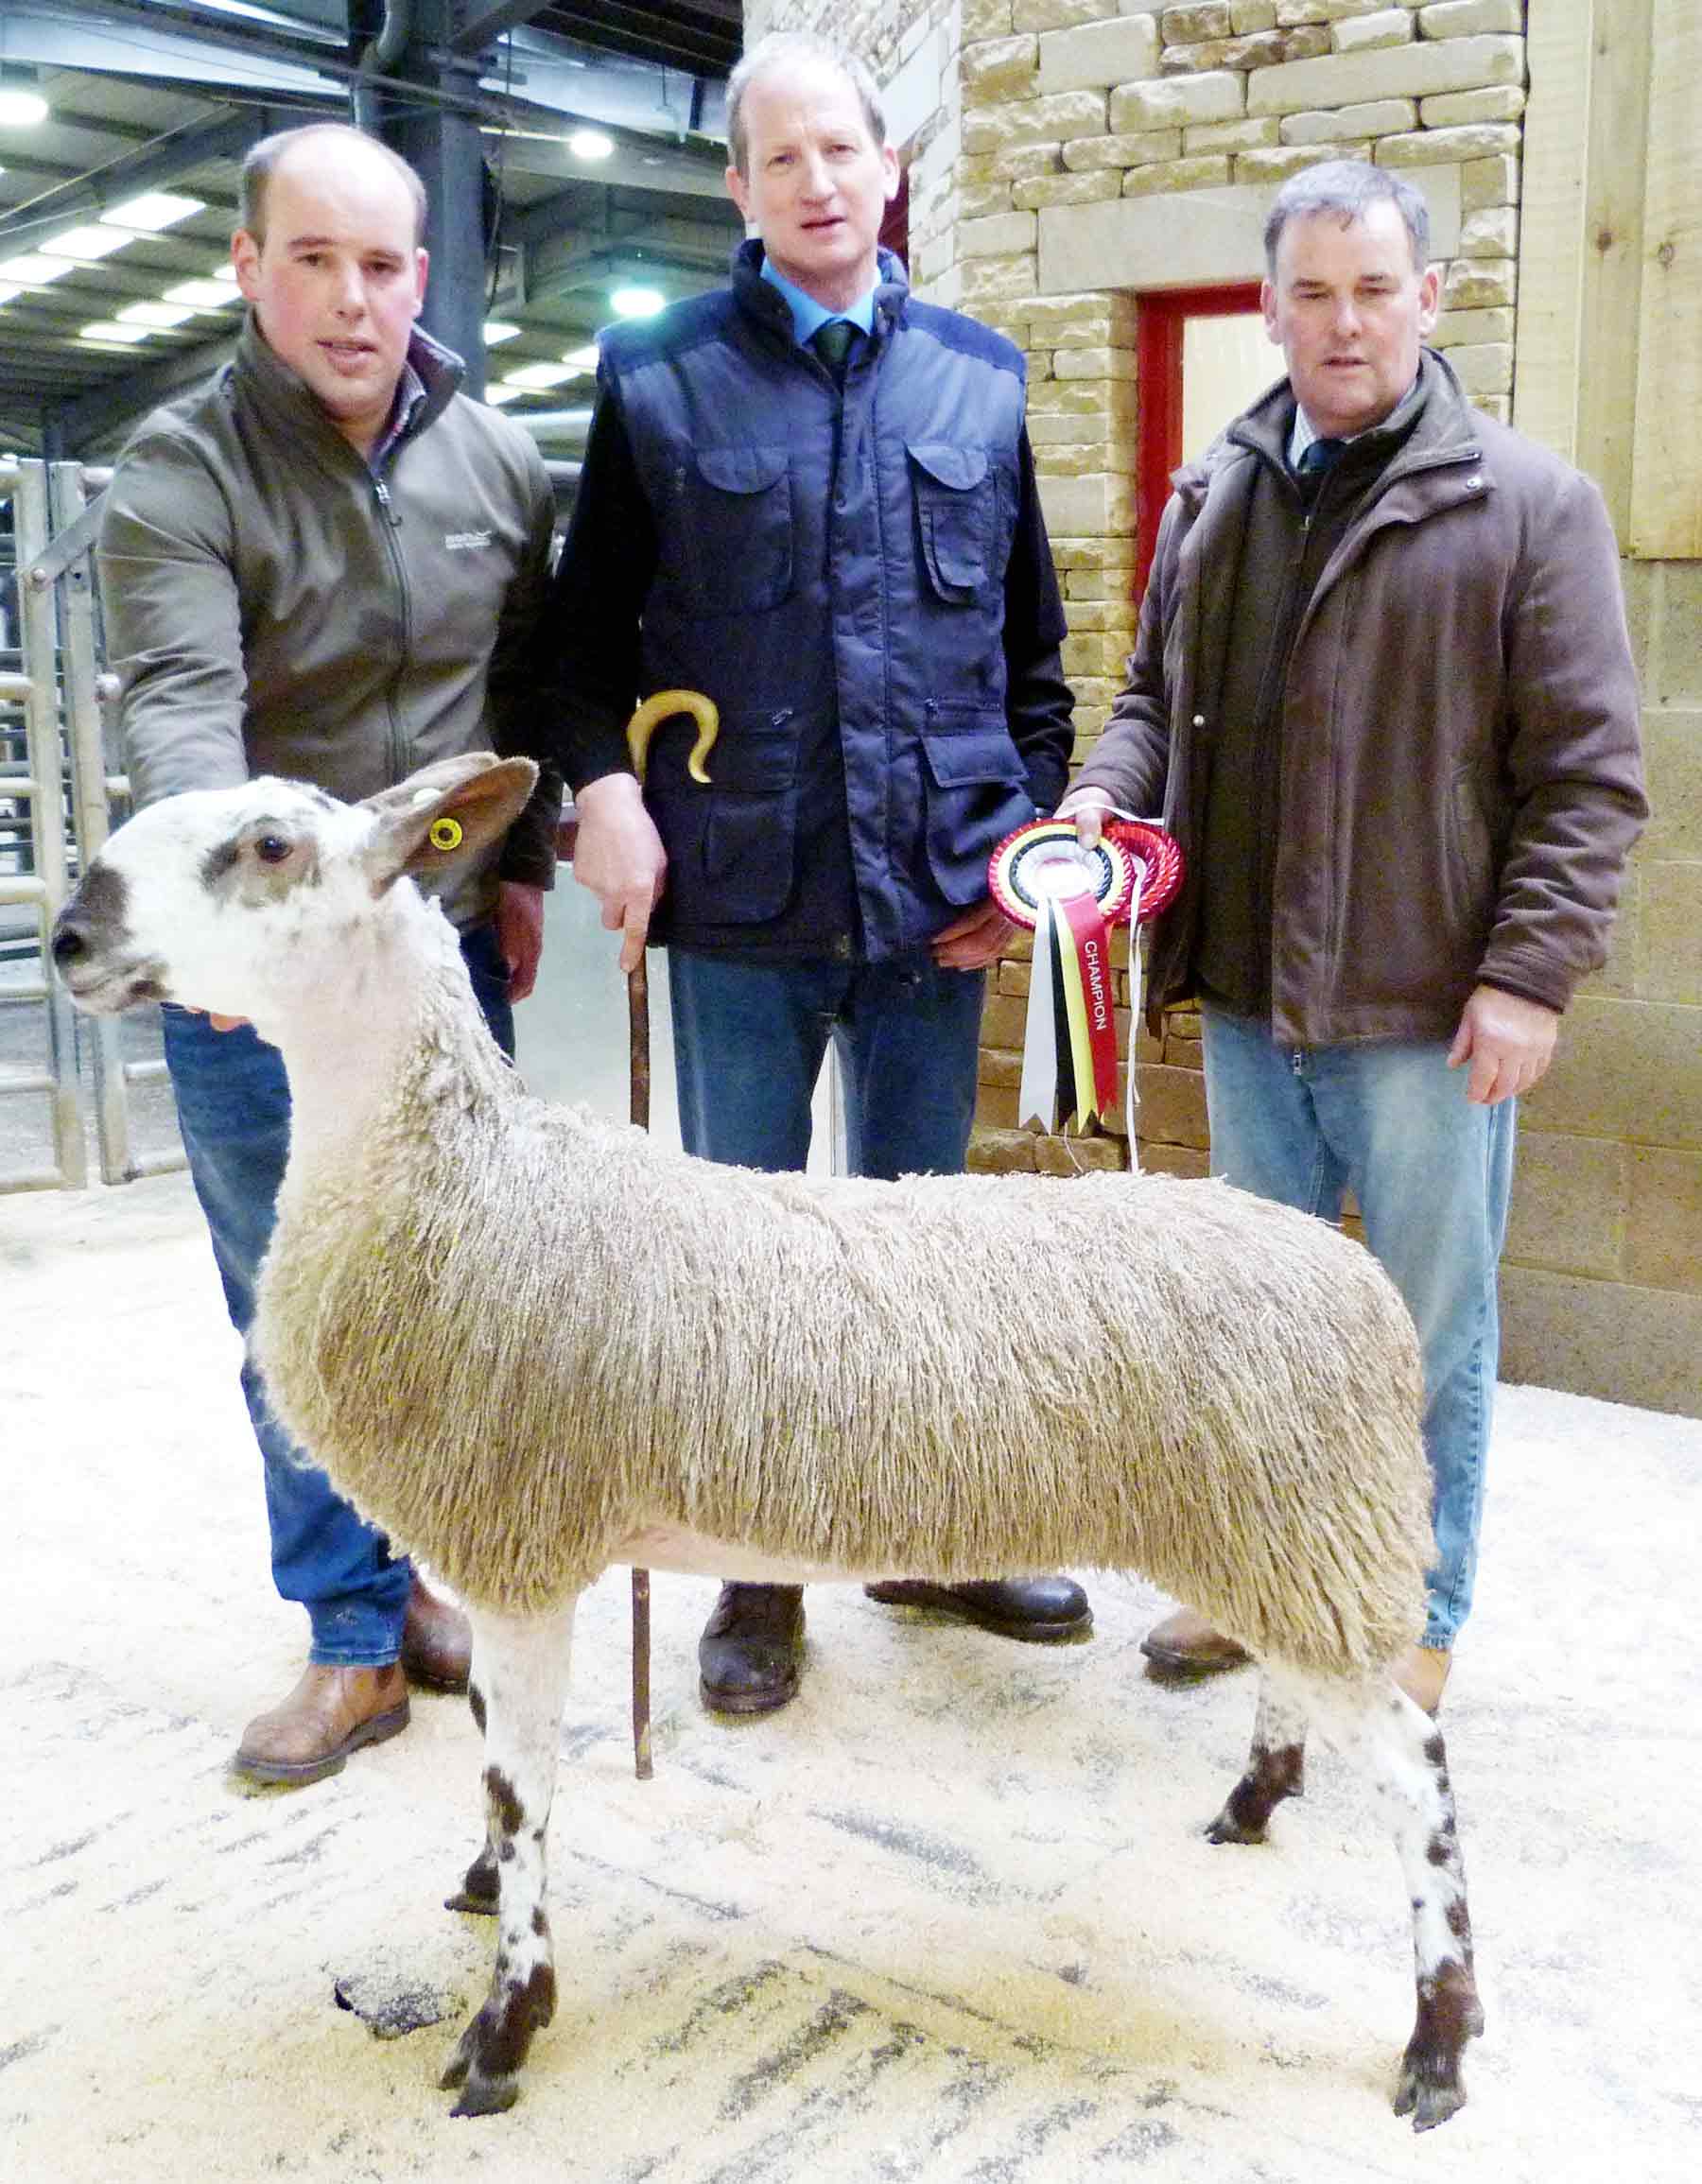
(831, 570)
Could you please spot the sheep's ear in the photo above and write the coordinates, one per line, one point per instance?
(446, 812)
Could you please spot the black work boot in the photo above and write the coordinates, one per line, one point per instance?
(752, 1648)
(1041, 1609)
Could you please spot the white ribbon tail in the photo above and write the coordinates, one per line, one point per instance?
(1131, 1095)
(1038, 1097)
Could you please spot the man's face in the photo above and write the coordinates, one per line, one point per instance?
(1348, 311)
(818, 183)
(340, 281)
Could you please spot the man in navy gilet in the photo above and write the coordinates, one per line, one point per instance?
(811, 498)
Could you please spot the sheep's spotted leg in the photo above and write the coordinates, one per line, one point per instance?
(479, 1888)
(520, 1667)
(1276, 1767)
(1401, 1750)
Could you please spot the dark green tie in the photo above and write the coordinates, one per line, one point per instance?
(1318, 457)
(831, 342)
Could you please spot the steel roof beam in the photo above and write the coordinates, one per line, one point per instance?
(155, 169)
(495, 21)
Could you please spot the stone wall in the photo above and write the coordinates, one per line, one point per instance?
(1601, 1284)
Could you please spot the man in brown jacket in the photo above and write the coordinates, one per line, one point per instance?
(1383, 689)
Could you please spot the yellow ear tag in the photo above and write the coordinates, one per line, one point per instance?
(445, 834)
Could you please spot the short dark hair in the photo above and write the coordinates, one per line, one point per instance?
(1347, 187)
(783, 45)
(258, 167)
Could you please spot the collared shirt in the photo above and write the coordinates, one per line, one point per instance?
(1301, 434)
(808, 317)
(410, 392)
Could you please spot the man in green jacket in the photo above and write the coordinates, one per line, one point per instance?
(1383, 689)
(326, 563)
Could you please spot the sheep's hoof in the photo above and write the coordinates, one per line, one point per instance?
(1430, 2087)
(480, 1890)
(1228, 1828)
(486, 2096)
(487, 2058)
(455, 2071)
(481, 2094)
(1430, 2090)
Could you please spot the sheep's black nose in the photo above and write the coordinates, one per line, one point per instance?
(68, 944)
(94, 918)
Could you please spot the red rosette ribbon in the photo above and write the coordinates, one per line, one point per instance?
(1044, 862)
(1161, 858)
(1042, 878)
(1067, 896)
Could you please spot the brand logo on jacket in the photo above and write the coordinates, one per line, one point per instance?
(460, 542)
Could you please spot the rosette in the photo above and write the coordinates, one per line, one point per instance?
(1042, 878)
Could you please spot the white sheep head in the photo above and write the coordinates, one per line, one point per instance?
(226, 899)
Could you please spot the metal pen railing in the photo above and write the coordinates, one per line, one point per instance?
(64, 787)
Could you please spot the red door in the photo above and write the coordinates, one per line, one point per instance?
(1160, 323)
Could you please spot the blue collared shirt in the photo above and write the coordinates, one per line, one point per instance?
(1302, 435)
(411, 393)
(808, 315)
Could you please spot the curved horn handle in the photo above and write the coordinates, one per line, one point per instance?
(662, 706)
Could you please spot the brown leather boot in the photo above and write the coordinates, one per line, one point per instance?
(1421, 1672)
(1185, 1644)
(436, 1642)
(330, 1713)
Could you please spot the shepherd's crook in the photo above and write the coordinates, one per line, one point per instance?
(640, 728)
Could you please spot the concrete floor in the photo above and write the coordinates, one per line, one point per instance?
(949, 1917)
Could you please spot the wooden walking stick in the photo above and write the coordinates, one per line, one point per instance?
(640, 728)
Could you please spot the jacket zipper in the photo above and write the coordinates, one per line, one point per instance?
(1357, 534)
(392, 523)
(1442, 459)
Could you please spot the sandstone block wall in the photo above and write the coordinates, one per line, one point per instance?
(1603, 1276)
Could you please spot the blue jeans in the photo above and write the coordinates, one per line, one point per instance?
(1433, 1175)
(232, 1102)
(749, 1040)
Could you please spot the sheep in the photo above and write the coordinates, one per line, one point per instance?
(504, 1329)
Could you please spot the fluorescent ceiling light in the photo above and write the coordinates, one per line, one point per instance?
(585, 358)
(22, 109)
(498, 330)
(203, 295)
(590, 143)
(532, 376)
(86, 244)
(109, 333)
(157, 209)
(497, 397)
(33, 272)
(153, 315)
(8, 296)
(637, 302)
(225, 271)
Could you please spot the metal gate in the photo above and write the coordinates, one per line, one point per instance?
(56, 791)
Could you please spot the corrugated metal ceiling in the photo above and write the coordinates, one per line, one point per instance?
(147, 97)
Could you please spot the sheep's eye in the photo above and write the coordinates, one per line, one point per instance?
(271, 848)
